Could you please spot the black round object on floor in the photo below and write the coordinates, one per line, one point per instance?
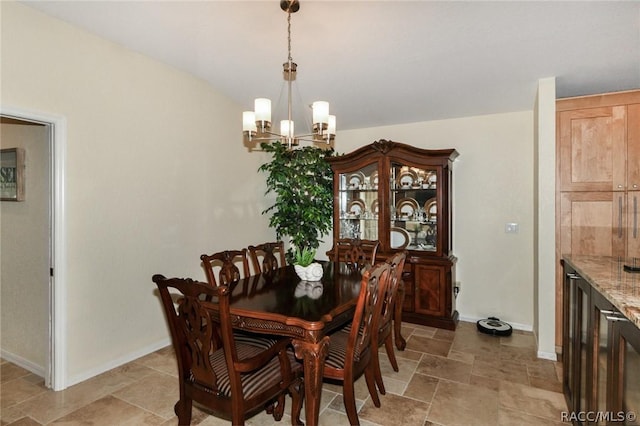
(494, 326)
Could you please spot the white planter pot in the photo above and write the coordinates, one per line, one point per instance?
(312, 272)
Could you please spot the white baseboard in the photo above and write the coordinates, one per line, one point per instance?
(36, 369)
(118, 362)
(515, 325)
(548, 355)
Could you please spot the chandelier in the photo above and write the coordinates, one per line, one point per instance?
(256, 125)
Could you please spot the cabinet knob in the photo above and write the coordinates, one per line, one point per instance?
(619, 186)
(635, 185)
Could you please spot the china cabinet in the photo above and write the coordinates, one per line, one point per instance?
(401, 195)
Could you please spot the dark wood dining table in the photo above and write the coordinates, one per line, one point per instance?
(281, 304)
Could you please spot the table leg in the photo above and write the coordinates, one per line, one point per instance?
(313, 356)
(397, 320)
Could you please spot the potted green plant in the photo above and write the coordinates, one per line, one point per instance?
(302, 181)
(305, 265)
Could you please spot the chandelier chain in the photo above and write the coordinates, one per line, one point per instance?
(289, 35)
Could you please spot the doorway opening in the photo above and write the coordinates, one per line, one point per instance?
(54, 130)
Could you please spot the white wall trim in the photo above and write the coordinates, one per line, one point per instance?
(119, 361)
(56, 369)
(36, 369)
(548, 355)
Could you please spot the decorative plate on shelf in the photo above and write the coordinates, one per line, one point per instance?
(375, 206)
(373, 180)
(431, 179)
(354, 180)
(406, 179)
(400, 238)
(356, 207)
(406, 207)
(431, 208)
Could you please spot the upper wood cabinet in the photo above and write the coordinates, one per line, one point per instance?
(401, 195)
(633, 147)
(395, 193)
(599, 142)
(633, 180)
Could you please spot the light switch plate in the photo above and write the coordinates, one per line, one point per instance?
(511, 228)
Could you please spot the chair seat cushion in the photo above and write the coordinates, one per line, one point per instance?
(338, 350)
(255, 381)
(253, 339)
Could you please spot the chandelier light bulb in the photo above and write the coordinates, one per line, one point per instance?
(332, 125)
(249, 121)
(263, 109)
(286, 128)
(320, 112)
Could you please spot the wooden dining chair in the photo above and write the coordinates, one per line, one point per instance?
(358, 254)
(385, 325)
(267, 257)
(350, 354)
(226, 264)
(235, 379)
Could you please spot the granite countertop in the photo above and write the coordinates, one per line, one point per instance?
(608, 277)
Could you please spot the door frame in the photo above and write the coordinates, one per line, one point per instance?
(56, 364)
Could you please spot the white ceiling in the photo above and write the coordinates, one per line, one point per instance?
(382, 62)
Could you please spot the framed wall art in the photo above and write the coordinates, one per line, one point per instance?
(12, 174)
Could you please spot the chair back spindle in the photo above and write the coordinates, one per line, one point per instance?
(226, 263)
(358, 254)
(267, 257)
(192, 329)
(385, 327)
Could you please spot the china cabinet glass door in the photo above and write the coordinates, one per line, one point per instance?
(358, 203)
(413, 207)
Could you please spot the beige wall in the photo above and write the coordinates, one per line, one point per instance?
(155, 177)
(493, 185)
(24, 253)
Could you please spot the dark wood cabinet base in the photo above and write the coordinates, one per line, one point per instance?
(438, 322)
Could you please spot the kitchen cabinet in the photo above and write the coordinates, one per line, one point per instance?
(598, 142)
(601, 346)
(401, 195)
(633, 223)
(598, 178)
(593, 223)
(625, 386)
(592, 148)
(633, 147)
(575, 346)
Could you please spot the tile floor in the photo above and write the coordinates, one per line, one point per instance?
(446, 378)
